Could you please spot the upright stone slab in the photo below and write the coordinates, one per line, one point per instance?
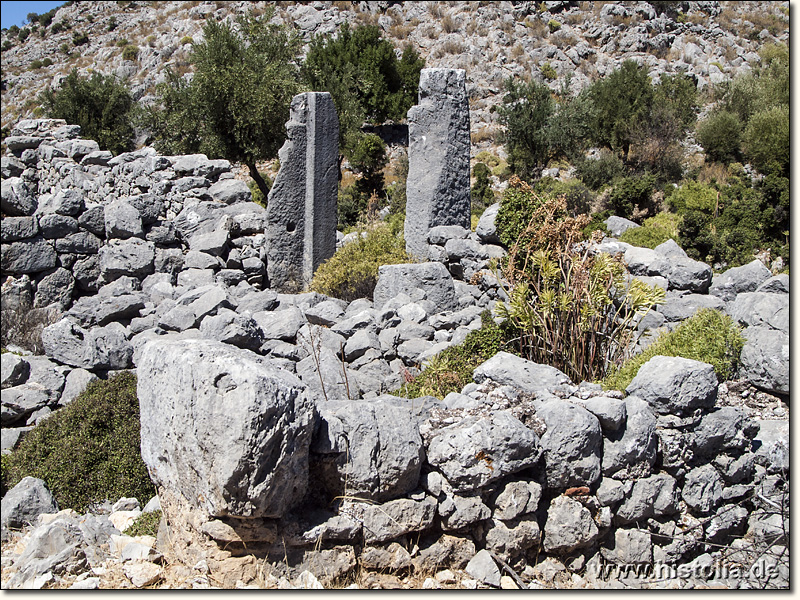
(437, 192)
(301, 211)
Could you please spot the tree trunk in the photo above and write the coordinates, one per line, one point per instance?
(262, 185)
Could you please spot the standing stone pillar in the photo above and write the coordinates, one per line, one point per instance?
(301, 209)
(437, 192)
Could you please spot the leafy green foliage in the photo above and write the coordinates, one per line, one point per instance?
(708, 336)
(130, 52)
(481, 193)
(579, 198)
(237, 103)
(450, 370)
(369, 158)
(88, 451)
(600, 171)
(693, 195)
(353, 271)
(102, 106)
(255, 191)
(80, 38)
(720, 135)
(570, 309)
(365, 78)
(766, 140)
(145, 524)
(630, 192)
(517, 206)
(654, 231)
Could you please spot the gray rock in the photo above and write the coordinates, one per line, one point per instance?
(438, 184)
(383, 522)
(680, 309)
(327, 377)
(569, 526)
(656, 495)
(93, 220)
(14, 370)
(778, 284)
(301, 210)
(727, 429)
(432, 278)
(670, 249)
(56, 226)
(280, 324)
(771, 444)
(572, 444)
(18, 228)
(632, 450)
(27, 256)
(457, 512)
(631, 547)
(457, 250)
(75, 384)
(364, 319)
(480, 450)
(21, 401)
(412, 351)
(231, 328)
(734, 281)
(230, 191)
(369, 449)
(23, 503)
(765, 359)
(358, 344)
(610, 492)
(611, 412)
(16, 197)
(618, 225)
(202, 399)
(674, 385)
(100, 310)
(81, 242)
(440, 234)
(200, 260)
(516, 499)
(728, 522)
(134, 257)
(258, 301)
(702, 489)
(65, 202)
(483, 568)
(682, 273)
(55, 288)
(178, 318)
(207, 301)
(56, 548)
(530, 377)
(213, 242)
(98, 348)
(487, 230)
(510, 540)
(122, 220)
(760, 309)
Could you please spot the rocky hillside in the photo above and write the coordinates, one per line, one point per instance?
(712, 41)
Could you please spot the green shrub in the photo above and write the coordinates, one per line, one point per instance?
(130, 52)
(60, 26)
(693, 196)
(708, 336)
(353, 271)
(654, 231)
(7, 45)
(88, 451)
(579, 198)
(600, 171)
(79, 38)
(629, 192)
(481, 193)
(35, 64)
(145, 524)
(451, 369)
(553, 25)
(112, 23)
(517, 206)
(720, 135)
(187, 39)
(47, 62)
(766, 140)
(122, 42)
(548, 72)
(597, 223)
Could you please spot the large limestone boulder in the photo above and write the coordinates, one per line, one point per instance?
(432, 280)
(23, 503)
(369, 449)
(225, 428)
(765, 359)
(572, 444)
(675, 385)
(528, 376)
(734, 281)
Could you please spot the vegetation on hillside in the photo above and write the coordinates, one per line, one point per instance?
(87, 451)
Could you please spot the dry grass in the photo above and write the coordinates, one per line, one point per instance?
(483, 135)
(517, 51)
(400, 32)
(448, 47)
(449, 24)
(435, 9)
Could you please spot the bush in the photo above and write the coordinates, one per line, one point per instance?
(631, 192)
(481, 193)
(102, 106)
(693, 196)
(517, 206)
(47, 62)
(112, 23)
(561, 302)
(548, 72)
(766, 140)
(88, 451)
(654, 231)
(145, 524)
(23, 34)
(579, 198)
(369, 158)
(708, 336)
(79, 38)
(720, 135)
(35, 64)
(187, 39)
(353, 271)
(600, 171)
(130, 52)
(553, 25)
(23, 326)
(451, 369)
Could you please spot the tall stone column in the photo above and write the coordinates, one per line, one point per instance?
(301, 209)
(437, 192)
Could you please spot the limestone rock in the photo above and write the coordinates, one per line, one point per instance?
(674, 385)
(572, 445)
(569, 526)
(431, 278)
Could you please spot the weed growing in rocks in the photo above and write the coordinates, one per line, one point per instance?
(23, 326)
(572, 309)
(654, 231)
(708, 336)
(89, 450)
(353, 271)
(146, 524)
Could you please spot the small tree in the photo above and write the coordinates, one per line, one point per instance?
(720, 135)
(237, 103)
(102, 106)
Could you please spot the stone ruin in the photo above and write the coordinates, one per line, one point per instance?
(437, 192)
(301, 211)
